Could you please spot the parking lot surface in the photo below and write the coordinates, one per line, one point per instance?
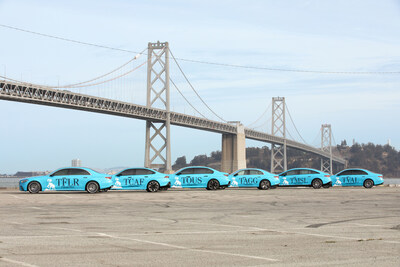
(241, 227)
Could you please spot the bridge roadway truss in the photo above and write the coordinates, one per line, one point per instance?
(29, 93)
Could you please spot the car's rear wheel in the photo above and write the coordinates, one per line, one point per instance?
(34, 187)
(213, 184)
(368, 183)
(92, 187)
(153, 186)
(264, 185)
(316, 183)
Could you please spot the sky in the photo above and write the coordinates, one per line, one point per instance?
(328, 36)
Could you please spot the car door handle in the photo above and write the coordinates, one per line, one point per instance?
(84, 177)
(206, 176)
(146, 176)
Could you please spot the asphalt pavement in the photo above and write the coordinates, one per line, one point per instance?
(232, 227)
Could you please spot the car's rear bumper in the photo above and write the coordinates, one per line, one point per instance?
(225, 186)
(167, 185)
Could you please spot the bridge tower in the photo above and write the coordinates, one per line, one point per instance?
(326, 145)
(158, 146)
(278, 151)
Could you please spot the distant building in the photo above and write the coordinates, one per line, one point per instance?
(76, 163)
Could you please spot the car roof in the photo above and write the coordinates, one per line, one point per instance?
(356, 169)
(83, 168)
(311, 169)
(188, 167)
(257, 169)
(142, 168)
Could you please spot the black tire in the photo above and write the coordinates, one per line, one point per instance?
(368, 183)
(316, 183)
(92, 187)
(264, 185)
(153, 186)
(34, 187)
(213, 184)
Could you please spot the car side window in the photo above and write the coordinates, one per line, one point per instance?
(240, 173)
(78, 172)
(359, 172)
(294, 172)
(202, 171)
(186, 171)
(143, 172)
(304, 172)
(255, 172)
(60, 172)
(348, 172)
(128, 172)
(313, 172)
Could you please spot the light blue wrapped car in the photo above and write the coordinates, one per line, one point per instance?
(199, 177)
(68, 179)
(305, 177)
(140, 179)
(252, 177)
(357, 177)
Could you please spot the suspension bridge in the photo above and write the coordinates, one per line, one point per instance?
(159, 117)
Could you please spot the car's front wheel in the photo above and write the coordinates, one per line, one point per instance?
(368, 183)
(153, 186)
(92, 187)
(316, 183)
(264, 185)
(34, 187)
(213, 184)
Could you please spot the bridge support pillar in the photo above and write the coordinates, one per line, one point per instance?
(326, 145)
(158, 144)
(233, 151)
(278, 151)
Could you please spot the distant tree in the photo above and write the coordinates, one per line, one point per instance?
(180, 163)
(216, 155)
(200, 160)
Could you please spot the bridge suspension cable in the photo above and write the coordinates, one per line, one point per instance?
(106, 81)
(208, 62)
(104, 75)
(291, 119)
(194, 90)
(176, 87)
(262, 115)
(78, 86)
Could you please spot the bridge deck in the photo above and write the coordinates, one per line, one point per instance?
(29, 93)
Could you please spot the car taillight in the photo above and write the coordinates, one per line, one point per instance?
(327, 175)
(277, 177)
(166, 176)
(108, 177)
(226, 174)
(380, 176)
